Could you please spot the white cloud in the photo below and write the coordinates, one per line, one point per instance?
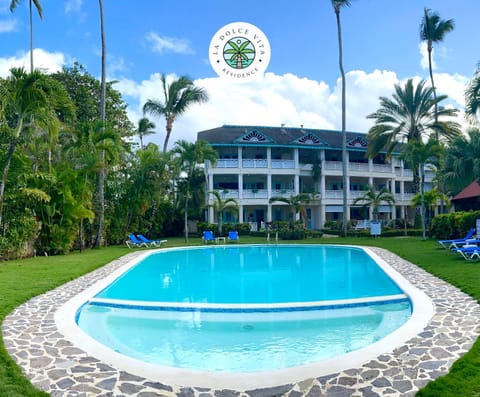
(422, 47)
(73, 6)
(46, 61)
(9, 25)
(162, 45)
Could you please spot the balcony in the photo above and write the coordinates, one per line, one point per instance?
(283, 192)
(255, 194)
(283, 164)
(254, 163)
(227, 163)
(362, 167)
(226, 194)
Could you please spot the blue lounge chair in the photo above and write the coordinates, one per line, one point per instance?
(233, 236)
(135, 242)
(469, 253)
(152, 243)
(208, 237)
(453, 243)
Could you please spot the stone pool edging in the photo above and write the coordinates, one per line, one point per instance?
(55, 365)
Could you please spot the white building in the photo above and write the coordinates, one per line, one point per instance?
(257, 163)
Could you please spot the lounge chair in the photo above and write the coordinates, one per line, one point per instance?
(233, 236)
(152, 243)
(208, 237)
(135, 242)
(453, 243)
(469, 253)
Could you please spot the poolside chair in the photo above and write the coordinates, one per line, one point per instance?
(453, 243)
(208, 237)
(151, 243)
(233, 236)
(469, 253)
(135, 242)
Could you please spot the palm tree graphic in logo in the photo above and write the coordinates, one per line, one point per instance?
(239, 53)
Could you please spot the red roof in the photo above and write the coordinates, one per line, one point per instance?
(472, 190)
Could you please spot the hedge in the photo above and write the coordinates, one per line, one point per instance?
(453, 225)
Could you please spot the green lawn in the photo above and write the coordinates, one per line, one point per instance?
(23, 279)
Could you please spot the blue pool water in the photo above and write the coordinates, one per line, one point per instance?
(227, 340)
(253, 274)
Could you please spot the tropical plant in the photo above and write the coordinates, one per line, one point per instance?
(431, 199)
(178, 96)
(190, 156)
(462, 162)
(373, 199)
(433, 30)
(472, 95)
(29, 101)
(145, 127)
(220, 206)
(297, 205)
(409, 116)
(38, 6)
(418, 154)
(337, 6)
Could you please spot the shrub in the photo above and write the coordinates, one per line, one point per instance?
(453, 225)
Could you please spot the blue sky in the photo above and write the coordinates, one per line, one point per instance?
(145, 38)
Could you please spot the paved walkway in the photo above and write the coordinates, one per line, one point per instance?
(53, 364)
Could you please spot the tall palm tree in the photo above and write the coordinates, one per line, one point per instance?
(190, 156)
(178, 96)
(38, 6)
(27, 101)
(409, 116)
(145, 127)
(220, 206)
(337, 6)
(296, 204)
(373, 199)
(101, 173)
(472, 95)
(433, 30)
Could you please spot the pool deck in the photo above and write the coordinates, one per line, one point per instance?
(55, 365)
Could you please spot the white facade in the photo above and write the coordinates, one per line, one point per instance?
(254, 172)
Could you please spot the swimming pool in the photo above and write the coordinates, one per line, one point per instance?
(259, 324)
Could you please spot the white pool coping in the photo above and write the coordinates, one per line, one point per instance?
(422, 312)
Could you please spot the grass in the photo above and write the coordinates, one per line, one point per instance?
(23, 279)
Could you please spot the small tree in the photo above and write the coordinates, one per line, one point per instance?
(374, 199)
(220, 206)
(296, 205)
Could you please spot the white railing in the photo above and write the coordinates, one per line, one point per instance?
(282, 192)
(224, 194)
(284, 164)
(382, 168)
(356, 194)
(254, 163)
(255, 194)
(333, 165)
(333, 194)
(358, 166)
(404, 196)
(227, 163)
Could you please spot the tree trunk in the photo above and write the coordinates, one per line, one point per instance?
(344, 132)
(31, 36)
(186, 217)
(422, 200)
(433, 85)
(169, 128)
(101, 175)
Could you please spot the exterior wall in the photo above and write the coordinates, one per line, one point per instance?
(252, 175)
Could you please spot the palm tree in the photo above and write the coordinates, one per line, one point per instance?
(417, 154)
(101, 173)
(177, 97)
(220, 206)
(430, 199)
(38, 6)
(337, 6)
(373, 199)
(296, 204)
(190, 156)
(27, 101)
(145, 127)
(433, 30)
(462, 162)
(472, 95)
(239, 53)
(409, 116)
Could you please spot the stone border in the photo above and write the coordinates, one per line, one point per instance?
(55, 365)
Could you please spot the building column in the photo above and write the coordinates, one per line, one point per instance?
(295, 158)
(240, 214)
(269, 185)
(269, 157)
(296, 184)
(322, 215)
(240, 186)
(269, 213)
(240, 154)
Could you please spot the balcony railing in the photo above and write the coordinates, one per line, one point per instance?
(358, 166)
(255, 194)
(283, 164)
(227, 163)
(225, 194)
(282, 192)
(254, 163)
